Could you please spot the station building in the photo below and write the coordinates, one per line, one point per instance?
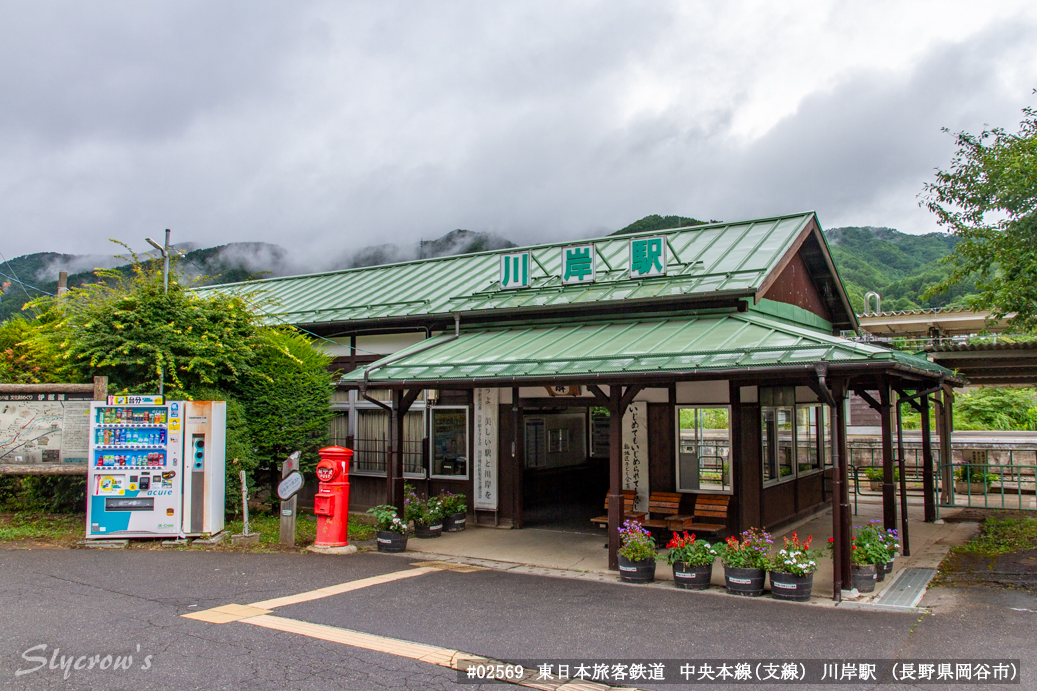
(703, 361)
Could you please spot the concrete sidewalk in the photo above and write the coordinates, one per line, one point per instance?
(583, 555)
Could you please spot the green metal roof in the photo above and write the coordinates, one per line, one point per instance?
(708, 342)
(717, 259)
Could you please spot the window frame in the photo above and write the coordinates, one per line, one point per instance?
(821, 446)
(432, 442)
(677, 448)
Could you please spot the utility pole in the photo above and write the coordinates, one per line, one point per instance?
(164, 250)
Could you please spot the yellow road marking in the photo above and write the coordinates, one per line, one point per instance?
(449, 566)
(226, 613)
(443, 657)
(340, 588)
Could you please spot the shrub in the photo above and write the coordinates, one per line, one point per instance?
(453, 503)
(386, 519)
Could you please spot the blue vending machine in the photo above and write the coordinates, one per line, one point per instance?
(135, 478)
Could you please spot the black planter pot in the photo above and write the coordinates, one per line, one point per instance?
(391, 541)
(692, 577)
(426, 531)
(636, 571)
(864, 577)
(748, 582)
(454, 523)
(787, 586)
(888, 567)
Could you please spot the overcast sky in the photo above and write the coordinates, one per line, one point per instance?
(329, 126)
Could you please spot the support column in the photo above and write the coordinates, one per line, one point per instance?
(889, 507)
(518, 447)
(901, 465)
(615, 473)
(394, 489)
(928, 480)
(840, 577)
(946, 450)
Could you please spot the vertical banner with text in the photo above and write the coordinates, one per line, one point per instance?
(635, 453)
(484, 479)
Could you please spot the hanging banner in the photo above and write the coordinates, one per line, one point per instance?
(484, 478)
(635, 453)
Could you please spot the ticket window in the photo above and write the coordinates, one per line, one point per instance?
(703, 449)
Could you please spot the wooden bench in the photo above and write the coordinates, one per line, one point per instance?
(709, 510)
(662, 508)
(629, 496)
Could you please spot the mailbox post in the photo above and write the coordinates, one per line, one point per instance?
(331, 504)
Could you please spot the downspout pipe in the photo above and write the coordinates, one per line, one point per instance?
(821, 368)
(399, 356)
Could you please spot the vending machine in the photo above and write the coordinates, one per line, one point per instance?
(134, 479)
(141, 480)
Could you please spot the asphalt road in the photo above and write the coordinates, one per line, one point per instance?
(129, 602)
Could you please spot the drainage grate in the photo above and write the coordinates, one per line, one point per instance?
(907, 589)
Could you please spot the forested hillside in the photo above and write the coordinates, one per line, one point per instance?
(896, 265)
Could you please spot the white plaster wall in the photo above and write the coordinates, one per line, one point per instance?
(385, 344)
(703, 392)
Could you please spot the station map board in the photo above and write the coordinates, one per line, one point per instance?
(41, 428)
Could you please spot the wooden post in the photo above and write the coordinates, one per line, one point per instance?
(928, 480)
(946, 450)
(288, 508)
(904, 540)
(838, 481)
(394, 483)
(100, 388)
(889, 507)
(615, 473)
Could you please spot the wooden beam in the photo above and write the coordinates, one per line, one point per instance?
(43, 469)
(628, 396)
(928, 479)
(599, 395)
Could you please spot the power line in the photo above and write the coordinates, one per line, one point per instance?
(23, 284)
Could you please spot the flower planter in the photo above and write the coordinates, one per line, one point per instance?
(875, 485)
(864, 577)
(692, 577)
(748, 582)
(787, 586)
(888, 567)
(427, 531)
(636, 571)
(961, 487)
(454, 523)
(391, 541)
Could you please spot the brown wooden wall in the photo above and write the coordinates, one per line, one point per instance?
(748, 478)
(795, 287)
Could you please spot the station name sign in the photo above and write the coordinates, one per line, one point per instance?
(579, 263)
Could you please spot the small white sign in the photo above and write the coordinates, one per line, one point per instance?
(647, 257)
(290, 486)
(578, 264)
(514, 270)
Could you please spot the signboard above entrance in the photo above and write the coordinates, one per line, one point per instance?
(646, 259)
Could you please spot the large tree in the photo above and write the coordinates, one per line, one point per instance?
(988, 198)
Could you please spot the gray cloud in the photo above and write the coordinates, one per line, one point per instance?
(328, 127)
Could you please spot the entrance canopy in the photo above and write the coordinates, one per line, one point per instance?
(727, 345)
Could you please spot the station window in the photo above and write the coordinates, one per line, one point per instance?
(794, 437)
(372, 442)
(703, 449)
(448, 440)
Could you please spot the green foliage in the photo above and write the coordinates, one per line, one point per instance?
(795, 557)
(636, 543)
(685, 548)
(711, 418)
(974, 474)
(999, 535)
(419, 508)
(657, 222)
(868, 545)
(286, 392)
(20, 362)
(61, 494)
(898, 266)
(988, 199)
(386, 519)
(452, 503)
(752, 551)
(131, 331)
(874, 473)
(996, 408)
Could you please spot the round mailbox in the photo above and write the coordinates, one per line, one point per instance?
(327, 470)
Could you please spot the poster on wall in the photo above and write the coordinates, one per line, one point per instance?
(485, 468)
(635, 453)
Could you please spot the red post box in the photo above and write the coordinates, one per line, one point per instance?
(331, 504)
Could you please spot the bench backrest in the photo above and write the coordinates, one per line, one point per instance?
(664, 503)
(711, 506)
(629, 496)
